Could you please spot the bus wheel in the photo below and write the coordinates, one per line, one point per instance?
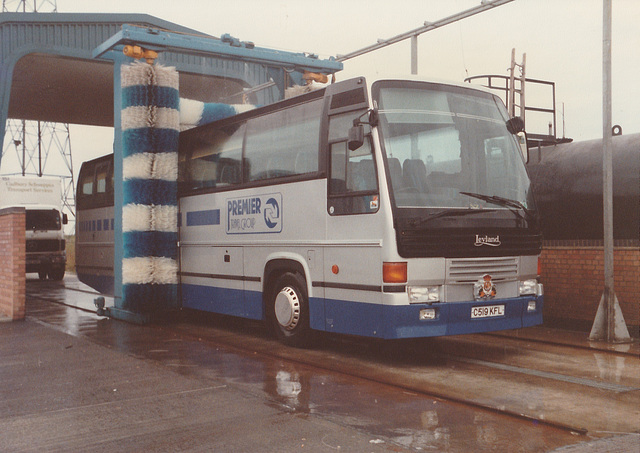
(289, 310)
(42, 275)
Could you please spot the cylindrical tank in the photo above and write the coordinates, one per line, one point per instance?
(567, 184)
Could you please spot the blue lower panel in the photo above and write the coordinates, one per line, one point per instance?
(533, 319)
(393, 322)
(372, 320)
(455, 318)
(317, 313)
(234, 302)
(355, 318)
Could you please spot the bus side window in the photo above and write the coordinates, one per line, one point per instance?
(353, 187)
(283, 143)
(87, 183)
(101, 177)
(338, 176)
(352, 171)
(214, 159)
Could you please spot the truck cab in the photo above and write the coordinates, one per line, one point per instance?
(45, 241)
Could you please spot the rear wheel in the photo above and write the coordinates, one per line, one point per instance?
(289, 310)
(56, 273)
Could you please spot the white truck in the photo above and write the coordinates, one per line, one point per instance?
(42, 200)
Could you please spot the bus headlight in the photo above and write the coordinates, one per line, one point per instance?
(423, 294)
(528, 287)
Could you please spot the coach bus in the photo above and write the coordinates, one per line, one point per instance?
(394, 209)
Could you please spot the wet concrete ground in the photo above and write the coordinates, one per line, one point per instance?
(70, 378)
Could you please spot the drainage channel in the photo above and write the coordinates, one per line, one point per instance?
(548, 375)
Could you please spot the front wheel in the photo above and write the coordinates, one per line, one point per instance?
(289, 310)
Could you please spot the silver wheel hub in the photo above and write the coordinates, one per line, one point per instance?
(287, 308)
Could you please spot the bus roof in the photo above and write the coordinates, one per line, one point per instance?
(417, 78)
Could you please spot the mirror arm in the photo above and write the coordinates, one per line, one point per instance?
(371, 121)
(356, 133)
(373, 117)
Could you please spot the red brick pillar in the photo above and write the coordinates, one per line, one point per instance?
(12, 257)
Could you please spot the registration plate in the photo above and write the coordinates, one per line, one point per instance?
(488, 311)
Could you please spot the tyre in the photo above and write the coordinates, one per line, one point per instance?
(56, 273)
(288, 309)
(42, 275)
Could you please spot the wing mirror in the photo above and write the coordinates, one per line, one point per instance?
(356, 133)
(356, 137)
(515, 125)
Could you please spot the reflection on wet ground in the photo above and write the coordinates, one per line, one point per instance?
(200, 346)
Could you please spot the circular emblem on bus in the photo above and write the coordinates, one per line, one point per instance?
(484, 288)
(272, 213)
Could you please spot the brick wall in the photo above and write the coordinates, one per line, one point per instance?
(573, 278)
(12, 257)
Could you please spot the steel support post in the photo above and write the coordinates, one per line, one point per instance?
(609, 323)
(414, 55)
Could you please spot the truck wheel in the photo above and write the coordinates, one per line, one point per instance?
(57, 273)
(288, 309)
(42, 275)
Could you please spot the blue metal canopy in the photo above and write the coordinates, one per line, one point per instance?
(227, 47)
(49, 70)
(66, 68)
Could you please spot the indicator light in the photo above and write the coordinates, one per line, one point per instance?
(394, 272)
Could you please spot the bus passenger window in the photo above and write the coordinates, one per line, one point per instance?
(87, 184)
(353, 184)
(352, 171)
(101, 178)
(214, 158)
(338, 178)
(284, 143)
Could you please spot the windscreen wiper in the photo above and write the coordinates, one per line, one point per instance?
(513, 205)
(443, 213)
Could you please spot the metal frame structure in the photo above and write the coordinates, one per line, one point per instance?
(505, 85)
(32, 6)
(278, 63)
(90, 45)
(36, 140)
(30, 39)
(485, 5)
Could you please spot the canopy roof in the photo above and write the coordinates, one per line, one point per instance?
(49, 72)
